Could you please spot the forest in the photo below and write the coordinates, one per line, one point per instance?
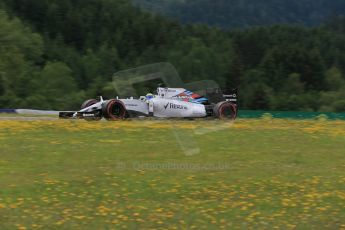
(247, 13)
(57, 53)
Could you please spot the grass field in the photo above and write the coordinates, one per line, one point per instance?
(264, 173)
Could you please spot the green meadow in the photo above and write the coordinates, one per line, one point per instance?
(149, 174)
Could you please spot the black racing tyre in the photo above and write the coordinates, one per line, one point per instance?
(225, 110)
(88, 103)
(114, 110)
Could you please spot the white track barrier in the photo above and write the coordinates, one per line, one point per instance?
(36, 112)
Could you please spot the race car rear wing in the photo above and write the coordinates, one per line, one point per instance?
(231, 95)
(217, 95)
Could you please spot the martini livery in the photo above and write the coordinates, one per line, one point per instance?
(167, 103)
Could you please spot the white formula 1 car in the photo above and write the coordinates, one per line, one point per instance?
(167, 103)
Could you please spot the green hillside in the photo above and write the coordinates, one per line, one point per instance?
(244, 13)
(57, 53)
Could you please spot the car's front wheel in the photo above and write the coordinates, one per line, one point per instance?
(89, 103)
(114, 110)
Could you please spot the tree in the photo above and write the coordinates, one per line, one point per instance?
(57, 85)
(275, 67)
(334, 80)
(20, 49)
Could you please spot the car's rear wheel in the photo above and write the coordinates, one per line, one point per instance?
(114, 110)
(225, 110)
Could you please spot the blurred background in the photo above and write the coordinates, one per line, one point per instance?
(282, 55)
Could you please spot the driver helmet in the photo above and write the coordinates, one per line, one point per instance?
(149, 96)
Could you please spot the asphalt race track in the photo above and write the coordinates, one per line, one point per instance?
(23, 118)
(28, 114)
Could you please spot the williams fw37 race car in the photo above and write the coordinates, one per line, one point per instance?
(167, 103)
